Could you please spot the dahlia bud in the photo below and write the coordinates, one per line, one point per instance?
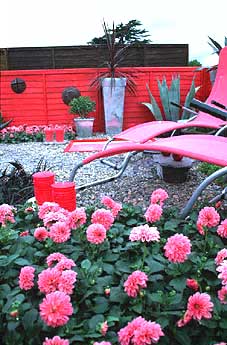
(192, 284)
(107, 291)
(14, 313)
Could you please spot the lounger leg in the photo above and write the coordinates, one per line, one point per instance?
(185, 211)
(108, 179)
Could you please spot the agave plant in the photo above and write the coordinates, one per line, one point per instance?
(167, 96)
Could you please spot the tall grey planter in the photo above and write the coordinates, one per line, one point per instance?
(113, 97)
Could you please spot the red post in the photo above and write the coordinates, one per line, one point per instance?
(64, 194)
(42, 182)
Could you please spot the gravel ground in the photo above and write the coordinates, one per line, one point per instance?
(135, 186)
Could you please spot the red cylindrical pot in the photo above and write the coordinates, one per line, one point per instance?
(59, 134)
(42, 182)
(49, 134)
(64, 193)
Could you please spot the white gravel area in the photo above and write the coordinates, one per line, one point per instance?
(135, 186)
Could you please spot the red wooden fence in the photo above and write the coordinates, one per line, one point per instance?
(41, 102)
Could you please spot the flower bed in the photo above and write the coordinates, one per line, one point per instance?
(19, 134)
(113, 275)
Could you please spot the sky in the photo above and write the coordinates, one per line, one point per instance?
(40, 23)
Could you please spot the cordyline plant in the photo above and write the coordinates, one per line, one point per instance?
(116, 55)
(114, 275)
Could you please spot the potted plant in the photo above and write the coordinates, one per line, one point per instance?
(82, 106)
(113, 82)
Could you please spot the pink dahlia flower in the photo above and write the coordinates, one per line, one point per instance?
(26, 277)
(103, 217)
(54, 217)
(77, 218)
(222, 295)
(200, 306)
(153, 213)
(96, 233)
(186, 318)
(102, 343)
(66, 281)
(65, 264)
(222, 268)
(177, 248)
(48, 280)
(41, 234)
(208, 217)
(140, 332)
(47, 207)
(60, 232)
(221, 256)
(144, 233)
(134, 282)
(55, 309)
(104, 328)
(56, 341)
(159, 196)
(222, 229)
(6, 214)
(114, 207)
(54, 257)
(192, 284)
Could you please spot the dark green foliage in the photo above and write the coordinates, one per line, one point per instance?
(126, 34)
(194, 62)
(82, 106)
(2, 123)
(16, 185)
(208, 169)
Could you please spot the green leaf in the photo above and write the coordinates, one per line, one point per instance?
(153, 106)
(112, 318)
(29, 318)
(22, 262)
(117, 295)
(132, 221)
(108, 268)
(154, 265)
(178, 283)
(12, 325)
(123, 266)
(171, 224)
(86, 264)
(164, 95)
(223, 323)
(156, 297)
(138, 308)
(183, 337)
(101, 306)
(95, 320)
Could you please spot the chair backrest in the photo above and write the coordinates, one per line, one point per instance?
(219, 89)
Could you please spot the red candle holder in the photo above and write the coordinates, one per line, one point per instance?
(59, 134)
(42, 182)
(64, 194)
(49, 134)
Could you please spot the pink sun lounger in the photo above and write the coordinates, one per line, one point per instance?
(206, 148)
